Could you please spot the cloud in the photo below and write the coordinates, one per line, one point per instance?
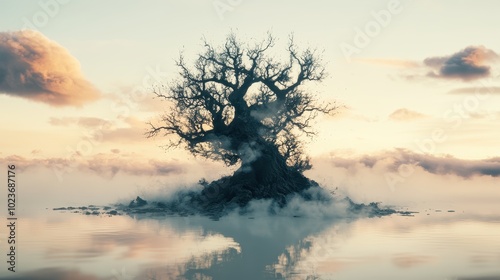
(92, 122)
(404, 114)
(486, 114)
(458, 167)
(105, 165)
(87, 122)
(124, 135)
(36, 68)
(475, 90)
(110, 165)
(446, 165)
(389, 62)
(467, 64)
(130, 130)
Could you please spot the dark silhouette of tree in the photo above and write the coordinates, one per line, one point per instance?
(239, 104)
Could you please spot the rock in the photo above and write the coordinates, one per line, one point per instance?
(407, 213)
(138, 202)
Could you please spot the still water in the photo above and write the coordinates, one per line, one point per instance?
(432, 244)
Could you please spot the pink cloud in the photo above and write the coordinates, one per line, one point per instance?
(36, 68)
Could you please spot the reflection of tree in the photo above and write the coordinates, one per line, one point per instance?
(270, 249)
(194, 268)
(197, 267)
(309, 256)
(288, 260)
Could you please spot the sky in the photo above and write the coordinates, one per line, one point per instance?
(418, 82)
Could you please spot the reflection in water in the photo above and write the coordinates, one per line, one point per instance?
(262, 241)
(439, 246)
(54, 274)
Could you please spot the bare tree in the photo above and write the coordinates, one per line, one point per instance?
(239, 104)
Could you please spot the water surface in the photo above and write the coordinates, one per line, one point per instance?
(432, 244)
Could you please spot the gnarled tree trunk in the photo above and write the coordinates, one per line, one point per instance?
(264, 176)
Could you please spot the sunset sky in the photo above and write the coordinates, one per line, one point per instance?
(419, 83)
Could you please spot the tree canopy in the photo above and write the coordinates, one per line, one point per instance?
(238, 101)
